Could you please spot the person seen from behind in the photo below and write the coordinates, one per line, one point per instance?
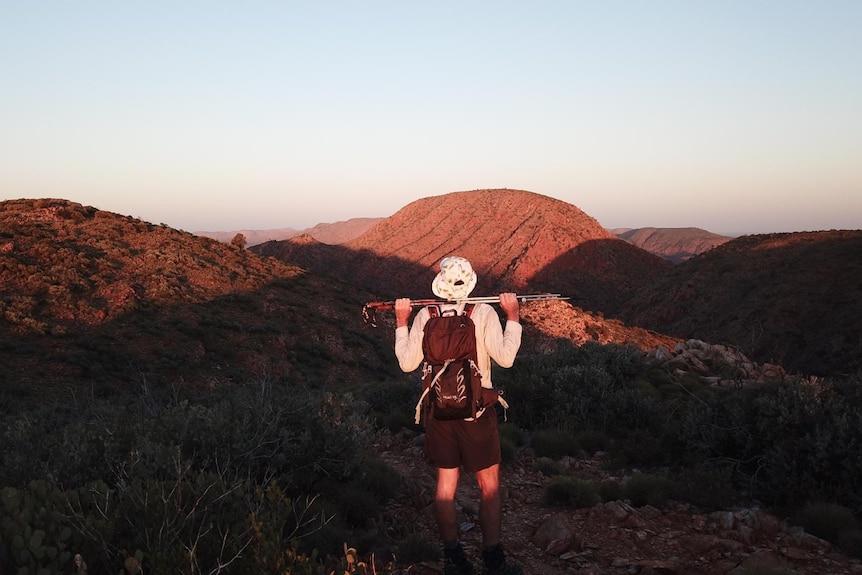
(472, 443)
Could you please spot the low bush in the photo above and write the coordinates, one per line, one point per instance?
(416, 549)
(593, 442)
(514, 434)
(828, 521)
(547, 466)
(571, 492)
(708, 489)
(611, 491)
(645, 489)
(554, 443)
(508, 452)
(850, 542)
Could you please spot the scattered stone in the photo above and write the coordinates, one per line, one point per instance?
(554, 536)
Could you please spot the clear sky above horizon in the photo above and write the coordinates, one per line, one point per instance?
(740, 116)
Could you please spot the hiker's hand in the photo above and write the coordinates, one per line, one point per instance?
(402, 312)
(509, 304)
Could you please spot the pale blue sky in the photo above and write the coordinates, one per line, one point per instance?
(734, 116)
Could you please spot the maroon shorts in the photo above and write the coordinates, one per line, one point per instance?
(473, 444)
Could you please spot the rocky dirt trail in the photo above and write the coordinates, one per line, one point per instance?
(610, 538)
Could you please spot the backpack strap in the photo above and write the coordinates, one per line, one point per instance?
(434, 310)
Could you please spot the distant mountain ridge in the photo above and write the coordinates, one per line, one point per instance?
(326, 233)
(674, 244)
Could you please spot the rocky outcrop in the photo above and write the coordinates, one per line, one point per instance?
(718, 364)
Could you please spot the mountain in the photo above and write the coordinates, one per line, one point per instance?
(674, 244)
(327, 233)
(516, 240)
(794, 299)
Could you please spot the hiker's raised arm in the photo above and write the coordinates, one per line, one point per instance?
(402, 311)
(509, 304)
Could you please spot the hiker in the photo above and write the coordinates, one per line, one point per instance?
(471, 443)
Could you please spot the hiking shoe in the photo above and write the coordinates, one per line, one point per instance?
(460, 566)
(495, 563)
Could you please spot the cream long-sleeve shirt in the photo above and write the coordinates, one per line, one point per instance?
(492, 342)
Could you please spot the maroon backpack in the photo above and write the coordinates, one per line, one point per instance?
(451, 381)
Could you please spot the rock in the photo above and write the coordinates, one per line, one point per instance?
(698, 544)
(805, 540)
(554, 535)
(634, 521)
(768, 526)
(744, 534)
(640, 535)
(619, 509)
(723, 519)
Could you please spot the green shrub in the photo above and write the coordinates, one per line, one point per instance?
(577, 387)
(710, 490)
(392, 396)
(593, 441)
(379, 479)
(611, 491)
(508, 452)
(826, 520)
(638, 448)
(851, 542)
(356, 504)
(571, 492)
(554, 443)
(416, 548)
(514, 434)
(394, 421)
(646, 489)
(547, 466)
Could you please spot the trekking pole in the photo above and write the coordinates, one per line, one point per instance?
(369, 310)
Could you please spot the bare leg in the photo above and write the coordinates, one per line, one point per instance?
(444, 503)
(491, 509)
